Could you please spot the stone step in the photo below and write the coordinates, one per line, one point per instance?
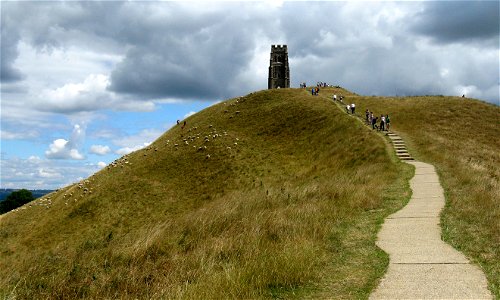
(406, 158)
(401, 151)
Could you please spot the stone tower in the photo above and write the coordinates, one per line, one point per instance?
(279, 72)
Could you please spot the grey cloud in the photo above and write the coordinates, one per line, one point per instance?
(9, 53)
(35, 172)
(172, 49)
(459, 21)
(363, 47)
(186, 51)
(13, 88)
(201, 64)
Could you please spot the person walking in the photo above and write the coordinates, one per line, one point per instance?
(374, 122)
(347, 108)
(353, 108)
(382, 123)
(367, 113)
(387, 122)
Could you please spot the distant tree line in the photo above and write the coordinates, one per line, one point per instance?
(15, 200)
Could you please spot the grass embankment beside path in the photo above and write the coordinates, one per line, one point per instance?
(287, 204)
(461, 138)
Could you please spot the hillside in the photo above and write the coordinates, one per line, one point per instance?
(284, 201)
(461, 138)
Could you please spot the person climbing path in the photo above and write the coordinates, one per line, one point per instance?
(421, 265)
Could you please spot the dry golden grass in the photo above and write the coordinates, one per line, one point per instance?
(461, 137)
(290, 210)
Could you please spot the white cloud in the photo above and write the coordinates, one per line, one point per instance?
(88, 95)
(72, 91)
(10, 135)
(101, 164)
(67, 149)
(127, 150)
(138, 141)
(48, 173)
(100, 149)
(142, 138)
(34, 158)
(38, 173)
(189, 114)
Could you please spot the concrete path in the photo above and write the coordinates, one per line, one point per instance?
(421, 265)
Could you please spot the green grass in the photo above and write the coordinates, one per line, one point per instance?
(461, 137)
(290, 210)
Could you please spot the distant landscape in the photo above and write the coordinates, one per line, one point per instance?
(4, 193)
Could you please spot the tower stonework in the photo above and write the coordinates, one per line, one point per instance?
(279, 72)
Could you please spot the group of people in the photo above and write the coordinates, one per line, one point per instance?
(315, 91)
(334, 97)
(319, 84)
(183, 125)
(385, 121)
(351, 108)
(381, 124)
(322, 84)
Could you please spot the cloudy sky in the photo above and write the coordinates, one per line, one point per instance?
(83, 83)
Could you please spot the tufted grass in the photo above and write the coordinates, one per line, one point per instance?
(461, 137)
(289, 211)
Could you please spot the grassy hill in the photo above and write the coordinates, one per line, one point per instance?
(461, 138)
(284, 201)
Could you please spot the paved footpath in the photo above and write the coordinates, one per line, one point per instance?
(421, 265)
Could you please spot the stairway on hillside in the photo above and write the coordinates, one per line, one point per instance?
(397, 141)
(399, 146)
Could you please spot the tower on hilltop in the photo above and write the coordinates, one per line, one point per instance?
(279, 72)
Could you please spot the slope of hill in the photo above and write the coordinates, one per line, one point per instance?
(461, 138)
(285, 200)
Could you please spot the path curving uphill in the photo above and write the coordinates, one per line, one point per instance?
(421, 265)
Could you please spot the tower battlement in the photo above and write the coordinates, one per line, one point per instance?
(280, 48)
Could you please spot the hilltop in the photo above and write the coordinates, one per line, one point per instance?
(287, 190)
(284, 201)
